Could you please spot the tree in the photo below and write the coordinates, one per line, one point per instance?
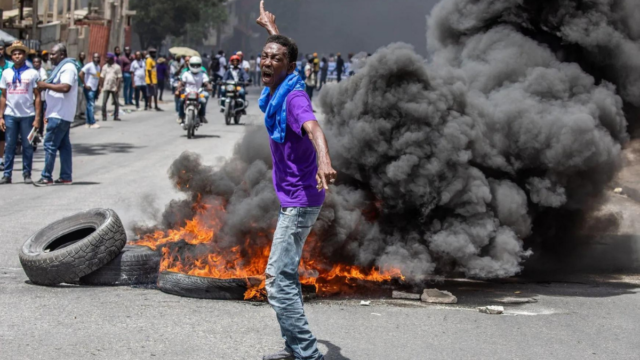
(157, 19)
(210, 17)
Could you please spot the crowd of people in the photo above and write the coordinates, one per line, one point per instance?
(37, 90)
(24, 103)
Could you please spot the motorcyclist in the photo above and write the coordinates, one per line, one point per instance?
(192, 81)
(237, 74)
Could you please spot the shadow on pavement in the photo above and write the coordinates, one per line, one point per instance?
(334, 352)
(203, 136)
(103, 149)
(85, 183)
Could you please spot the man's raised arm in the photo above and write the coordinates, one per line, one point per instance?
(267, 20)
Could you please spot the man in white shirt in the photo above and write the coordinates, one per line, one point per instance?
(192, 81)
(90, 74)
(62, 97)
(19, 109)
(138, 70)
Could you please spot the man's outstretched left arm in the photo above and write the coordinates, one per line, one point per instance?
(326, 174)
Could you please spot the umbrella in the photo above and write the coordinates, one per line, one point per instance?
(183, 51)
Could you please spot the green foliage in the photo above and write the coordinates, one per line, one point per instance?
(157, 19)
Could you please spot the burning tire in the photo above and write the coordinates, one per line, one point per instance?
(73, 247)
(204, 287)
(135, 265)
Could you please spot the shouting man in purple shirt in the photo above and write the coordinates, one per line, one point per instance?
(301, 174)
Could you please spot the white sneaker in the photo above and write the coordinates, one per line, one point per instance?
(87, 126)
(95, 126)
(179, 121)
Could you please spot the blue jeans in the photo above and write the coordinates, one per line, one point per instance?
(242, 94)
(57, 139)
(90, 95)
(282, 280)
(128, 89)
(15, 126)
(176, 99)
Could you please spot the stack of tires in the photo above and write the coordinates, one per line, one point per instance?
(88, 248)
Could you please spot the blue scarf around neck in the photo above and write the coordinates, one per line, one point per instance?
(57, 69)
(17, 73)
(275, 107)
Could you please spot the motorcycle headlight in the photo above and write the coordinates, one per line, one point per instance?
(239, 88)
(230, 87)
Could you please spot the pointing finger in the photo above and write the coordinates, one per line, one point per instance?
(261, 7)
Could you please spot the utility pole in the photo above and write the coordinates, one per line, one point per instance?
(45, 11)
(34, 19)
(55, 10)
(72, 21)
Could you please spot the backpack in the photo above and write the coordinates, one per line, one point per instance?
(215, 65)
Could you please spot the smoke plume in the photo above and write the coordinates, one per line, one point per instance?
(446, 164)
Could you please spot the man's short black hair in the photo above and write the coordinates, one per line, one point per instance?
(292, 48)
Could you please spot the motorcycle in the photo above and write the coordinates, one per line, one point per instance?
(192, 103)
(231, 104)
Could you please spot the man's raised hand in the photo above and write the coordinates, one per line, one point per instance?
(267, 20)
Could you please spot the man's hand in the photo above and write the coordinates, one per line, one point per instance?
(267, 20)
(326, 175)
(3, 125)
(87, 87)
(46, 121)
(42, 85)
(36, 123)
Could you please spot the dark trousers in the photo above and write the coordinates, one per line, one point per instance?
(309, 90)
(105, 98)
(160, 88)
(339, 76)
(141, 90)
(216, 88)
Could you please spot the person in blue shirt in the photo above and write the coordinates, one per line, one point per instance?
(235, 73)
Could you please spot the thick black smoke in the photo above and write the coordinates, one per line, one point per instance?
(445, 165)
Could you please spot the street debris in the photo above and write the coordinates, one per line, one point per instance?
(517, 300)
(618, 191)
(404, 295)
(435, 296)
(491, 310)
(365, 303)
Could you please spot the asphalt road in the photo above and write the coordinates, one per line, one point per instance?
(123, 166)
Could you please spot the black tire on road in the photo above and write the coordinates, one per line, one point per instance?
(236, 119)
(203, 287)
(135, 265)
(73, 247)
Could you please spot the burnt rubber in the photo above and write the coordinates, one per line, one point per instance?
(73, 247)
(135, 265)
(203, 287)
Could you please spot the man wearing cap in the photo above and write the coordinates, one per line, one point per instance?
(124, 60)
(62, 97)
(110, 80)
(138, 70)
(90, 74)
(19, 109)
(244, 64)
(152, 78)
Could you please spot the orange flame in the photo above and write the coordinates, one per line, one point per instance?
(250, 261)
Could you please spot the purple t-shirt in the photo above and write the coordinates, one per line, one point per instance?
(294, 161)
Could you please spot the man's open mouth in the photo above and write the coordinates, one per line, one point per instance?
(267, 75)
